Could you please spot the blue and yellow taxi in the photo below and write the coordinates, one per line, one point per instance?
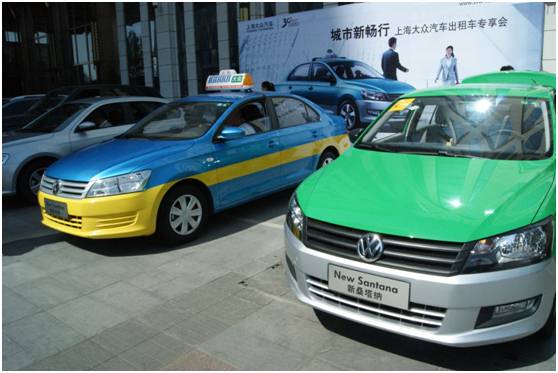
(189, 159)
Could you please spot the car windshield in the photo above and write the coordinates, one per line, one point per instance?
(56, 119)
(493, 127)
(179, 121)
(49, 101)
(354, 70)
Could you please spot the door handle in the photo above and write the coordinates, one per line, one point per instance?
(290, 87)
(311, 88)
(272, 143)
(315, 133)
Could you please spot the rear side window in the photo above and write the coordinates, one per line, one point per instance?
(138, 110)
(300, 73)
(292, 112)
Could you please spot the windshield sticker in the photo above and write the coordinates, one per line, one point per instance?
(402, 104)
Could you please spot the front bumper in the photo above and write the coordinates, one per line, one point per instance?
(368, 110)
(457, 298)
(124, 215)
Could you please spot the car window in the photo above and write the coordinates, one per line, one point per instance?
(178, 121)
(56, 119)
(321, 73)
(140, 109)
(111, 115)
(18, 106)
(251, 117)
(292, 112)
(354, 70)
(300, 73)
(495, 127)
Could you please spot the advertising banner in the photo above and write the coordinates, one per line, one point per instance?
(485, 36)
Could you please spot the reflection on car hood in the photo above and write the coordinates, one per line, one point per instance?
(115, 157)
(383, 85)
(13, 138)
(429, 197)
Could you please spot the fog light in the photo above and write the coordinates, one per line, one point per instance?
(506, 313)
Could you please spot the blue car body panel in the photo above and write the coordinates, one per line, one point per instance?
(170, 161)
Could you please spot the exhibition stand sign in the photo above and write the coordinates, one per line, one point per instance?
(485, 36)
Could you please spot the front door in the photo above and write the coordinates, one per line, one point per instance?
(248, 167)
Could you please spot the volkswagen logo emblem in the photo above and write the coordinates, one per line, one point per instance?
(56, 187)
(370, 247)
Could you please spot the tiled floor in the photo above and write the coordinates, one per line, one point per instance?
(220, 303)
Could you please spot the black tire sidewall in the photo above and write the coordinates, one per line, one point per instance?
(326, 154)
(357, 115)
(23, 178)
(164, 229)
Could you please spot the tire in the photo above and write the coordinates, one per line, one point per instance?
(29, 179)
(349, 111)
(326, 158)
(549, 328)
(170, 228)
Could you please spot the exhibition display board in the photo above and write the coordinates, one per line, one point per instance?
(485, 36)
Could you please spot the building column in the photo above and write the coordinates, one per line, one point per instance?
(549, 38)
(257, 10)
(121, 42)
(167, 50)
(282, 8)
(191, 59)
(146, 45)
(223, 36)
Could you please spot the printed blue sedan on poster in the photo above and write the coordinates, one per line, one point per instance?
(190, 158)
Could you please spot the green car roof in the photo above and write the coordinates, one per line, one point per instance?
(537, 84)
(532, 78)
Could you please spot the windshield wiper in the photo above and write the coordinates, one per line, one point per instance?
(394, 149)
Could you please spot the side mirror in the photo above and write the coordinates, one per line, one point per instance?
(354, 134)
(231, 133)
(331, 79)
(86, 126)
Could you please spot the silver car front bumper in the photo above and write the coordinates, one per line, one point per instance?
(452, 302)
(368, 110)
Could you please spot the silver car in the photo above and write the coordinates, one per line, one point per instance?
(72, 126)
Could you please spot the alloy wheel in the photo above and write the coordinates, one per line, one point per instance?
(35, 180)
(348, 113)
(185, 214)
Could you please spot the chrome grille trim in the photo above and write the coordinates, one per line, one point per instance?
(419, 316)
(410, 254)
(68, 189)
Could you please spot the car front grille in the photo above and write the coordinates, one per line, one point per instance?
(71, 222)
(68, 189)
(418, 315)
(432, 257)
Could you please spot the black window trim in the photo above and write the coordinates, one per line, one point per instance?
(308, 76)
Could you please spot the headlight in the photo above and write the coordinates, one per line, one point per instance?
(5, 158)
(376, 96)
(295, 218)
(522, 247)
(129, 183)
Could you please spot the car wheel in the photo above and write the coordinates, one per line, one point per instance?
(549, 328)
(182, 215)
(349, 111)
(29, 180)
(326, 158)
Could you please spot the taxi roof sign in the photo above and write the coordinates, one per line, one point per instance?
(228, 79)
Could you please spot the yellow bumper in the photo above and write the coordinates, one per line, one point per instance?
(126, 215)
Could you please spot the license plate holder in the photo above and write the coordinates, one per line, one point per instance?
(56, 209)
(372, 288)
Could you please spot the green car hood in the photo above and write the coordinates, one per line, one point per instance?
(428, 197)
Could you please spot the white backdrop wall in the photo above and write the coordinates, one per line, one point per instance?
(485, 37)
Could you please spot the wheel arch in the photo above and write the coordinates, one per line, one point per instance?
(28, 161)
(198, 184)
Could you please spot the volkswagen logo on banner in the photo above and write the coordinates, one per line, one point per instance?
(370, 247)
(56, 187)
